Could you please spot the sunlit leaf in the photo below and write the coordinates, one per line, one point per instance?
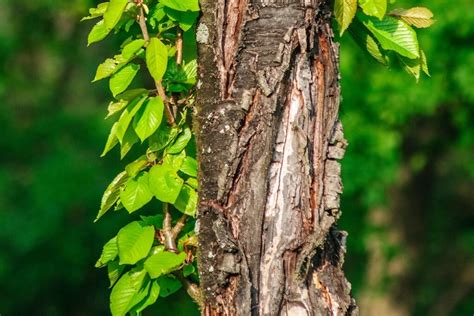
(375, 8)
(181, 142)
(165, 183)
(134, 242)
(109, 253)
(136, 193)
(114, 12)
(187, 201)
(418, 17)
(131, 48)
(344, 11)
(148, 118)
(98, 33)
(124, 291)
(114, 270)
(127, 117)
(182, 5)
(393, 34)
(120, 81)
(189, 166)
(112, 140)
(156, 58)
(112, 194)
(168, 285)
(163, 263)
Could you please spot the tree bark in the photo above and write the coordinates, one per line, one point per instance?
(269, 142)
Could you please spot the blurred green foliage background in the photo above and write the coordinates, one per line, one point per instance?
(409, 171)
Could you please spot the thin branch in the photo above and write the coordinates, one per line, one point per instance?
(142, 23)
(179, 47)
(170, 241)
(161, 92)
(192, 289)
(178, 227)
(168, 112)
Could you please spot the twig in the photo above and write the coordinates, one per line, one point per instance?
(179, 47)
(179, 225)
(142, 23)
(161, 92)
(170, 241)
(192, 289)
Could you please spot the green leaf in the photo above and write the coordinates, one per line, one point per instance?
(193, 183)
(135, 167)
(190, 45)
(424, 63)
(127, 116)
(112, 140)
(190, 69)
(367, 42)
(120, 81)
(418, 17)
(151, 299)
(174, 161)
(131, 48)
(411, 66)
(148, 119)
(98, 33)
(109, 253)
(141, 294)
(134, 242)
(189, 166)
(182, 5)
(188, 270)
(124, 291)
(164, 136)
(187, 201)
(156, 15)
(156, 220)
(105, 69)
(393, 35)
(163, 263)
(181, 142)
(136, 193)
(129, 139)
(156, 58)
(112, 194)
(131, 94)
(168, 285)
(114, 270)
(165, 183)
(96, 12)
(344, 11)
(115, 107)
(375, 8)
(114, 12)
(186, 19)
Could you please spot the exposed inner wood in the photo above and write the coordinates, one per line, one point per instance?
(269, 143)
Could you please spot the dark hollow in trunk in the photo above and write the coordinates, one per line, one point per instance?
(269, 142)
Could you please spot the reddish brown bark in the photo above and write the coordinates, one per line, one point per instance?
(270, 142)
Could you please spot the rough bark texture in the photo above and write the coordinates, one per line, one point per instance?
(270, 141)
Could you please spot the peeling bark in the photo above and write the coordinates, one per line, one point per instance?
(269, 142)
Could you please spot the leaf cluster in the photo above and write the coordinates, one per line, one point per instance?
(155, 256)
(387, 36)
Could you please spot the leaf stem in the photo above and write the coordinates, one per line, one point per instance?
(170, 240)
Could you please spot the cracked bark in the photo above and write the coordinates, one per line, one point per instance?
(269, 142)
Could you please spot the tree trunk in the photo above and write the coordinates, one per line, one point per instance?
(269, 140)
